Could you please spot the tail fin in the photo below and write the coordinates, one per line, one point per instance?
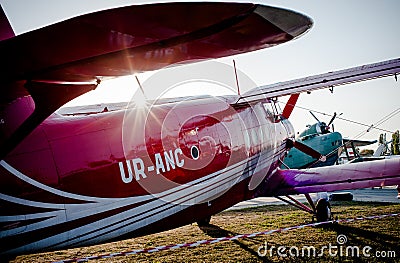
(6, 30)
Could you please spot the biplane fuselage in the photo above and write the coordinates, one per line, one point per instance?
(138, 170)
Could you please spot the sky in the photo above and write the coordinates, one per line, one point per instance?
(345, 34)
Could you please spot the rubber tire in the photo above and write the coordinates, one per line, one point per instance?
(323, 210)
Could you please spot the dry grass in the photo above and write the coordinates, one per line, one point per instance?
(382, 235)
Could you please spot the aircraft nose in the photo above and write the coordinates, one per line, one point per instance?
(293, 23)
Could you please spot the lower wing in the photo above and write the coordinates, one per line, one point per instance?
(384, 172)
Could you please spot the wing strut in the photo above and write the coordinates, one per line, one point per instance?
(297, 204)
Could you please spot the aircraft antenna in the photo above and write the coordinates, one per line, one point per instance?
(140, 86)
(237, 79)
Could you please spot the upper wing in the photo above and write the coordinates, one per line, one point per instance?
(139, 38)
(326, 80)
(338, 177)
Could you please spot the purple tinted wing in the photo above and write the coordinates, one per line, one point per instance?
(340, 177)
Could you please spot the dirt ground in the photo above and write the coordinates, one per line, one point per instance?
(375, 240)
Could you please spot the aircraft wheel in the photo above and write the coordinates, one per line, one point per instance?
(204, 222)
(323, 210)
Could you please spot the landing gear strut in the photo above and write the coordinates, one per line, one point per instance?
(321, 211)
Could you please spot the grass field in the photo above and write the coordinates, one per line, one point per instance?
(382, 235)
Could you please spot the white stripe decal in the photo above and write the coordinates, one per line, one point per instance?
(166, 204)
(25, 202)
(49, 189)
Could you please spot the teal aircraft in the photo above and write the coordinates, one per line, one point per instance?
(319, 137)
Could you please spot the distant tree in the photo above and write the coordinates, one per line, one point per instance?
(395, 143)
(366, 152)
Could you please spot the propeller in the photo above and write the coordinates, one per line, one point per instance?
(331, 121)
(290, 105)
(305, 149)
(325, 127)
(315, 117)
(333, 118)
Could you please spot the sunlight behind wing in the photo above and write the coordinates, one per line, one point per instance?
(123, 89)
(119, 89)
(198, 88)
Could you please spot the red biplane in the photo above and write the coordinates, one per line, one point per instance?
(68, 181)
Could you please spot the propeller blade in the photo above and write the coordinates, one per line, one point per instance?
(333, 118)
(315, 117)
(290, 105)
(307, 150)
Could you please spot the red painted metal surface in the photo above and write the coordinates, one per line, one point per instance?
(72, 181)
(81, 180)
(88, 156)
(133, 39)
(85, 150)
(6, 30)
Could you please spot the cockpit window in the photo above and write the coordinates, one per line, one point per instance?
(268, 108)
(269, 111)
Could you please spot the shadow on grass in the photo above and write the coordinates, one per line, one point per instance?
(364, 237)
(216, 232)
